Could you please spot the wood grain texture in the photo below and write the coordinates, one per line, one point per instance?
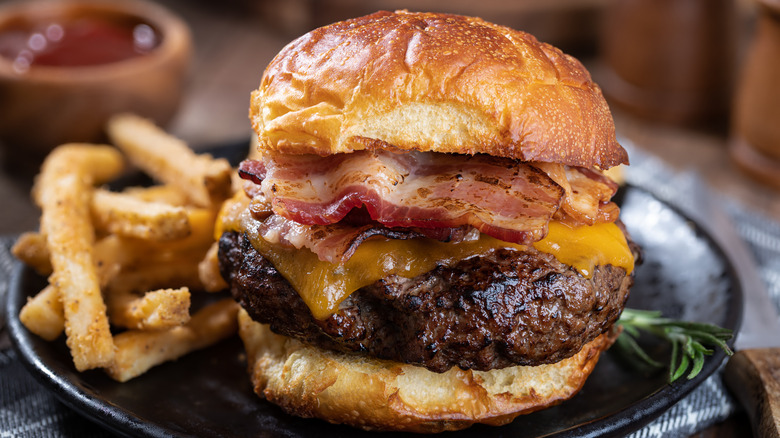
(754, 378)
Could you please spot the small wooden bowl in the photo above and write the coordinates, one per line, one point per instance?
(49, 105)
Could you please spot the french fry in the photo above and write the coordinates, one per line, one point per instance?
(128, 216)
(139, 350)
(181, 272)
(142, 250)
(63, 191)
(98, 164)
(201, 222)
(43, 314)
(208, 271)
(31, 249)
(124, 254)
(155, 310)
(110, 258)
(141, 254)
(205, 180)
(112, 252)
(167, 194)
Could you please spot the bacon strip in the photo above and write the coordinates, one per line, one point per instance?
(335, 189)
(336, 243)
(503, 198)
(588, 194)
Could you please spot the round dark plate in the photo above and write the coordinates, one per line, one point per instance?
(208, 393)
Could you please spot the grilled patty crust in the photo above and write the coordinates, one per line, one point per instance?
(486, 312)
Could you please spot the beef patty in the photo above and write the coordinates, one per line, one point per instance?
(501, 309)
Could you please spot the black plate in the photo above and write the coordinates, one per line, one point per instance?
(685, 275)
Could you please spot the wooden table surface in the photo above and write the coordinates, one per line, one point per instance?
(235, 41)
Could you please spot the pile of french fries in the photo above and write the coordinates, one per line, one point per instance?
(122, 264)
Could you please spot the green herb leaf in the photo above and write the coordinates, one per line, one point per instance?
(689, 340)
(627, 343)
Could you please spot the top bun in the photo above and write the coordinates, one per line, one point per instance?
(432, 82)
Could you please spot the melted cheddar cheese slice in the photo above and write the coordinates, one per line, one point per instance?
(323, 285)
(586, 247)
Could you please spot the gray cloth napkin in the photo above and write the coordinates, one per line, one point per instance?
(29, 410)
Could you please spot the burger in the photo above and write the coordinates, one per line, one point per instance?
(425, 239)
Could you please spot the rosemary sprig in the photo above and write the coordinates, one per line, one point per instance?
(690, 340)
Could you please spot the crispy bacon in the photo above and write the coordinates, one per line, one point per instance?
(336, 243)
(506, 199)
(331, 205)
(588, 194)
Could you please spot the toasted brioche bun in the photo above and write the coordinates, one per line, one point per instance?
(432, 82)
(381, 395)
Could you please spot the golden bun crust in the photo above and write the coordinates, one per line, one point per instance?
(432, 82)
(382, 395)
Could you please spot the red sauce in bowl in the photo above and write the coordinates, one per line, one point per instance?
(76, 41)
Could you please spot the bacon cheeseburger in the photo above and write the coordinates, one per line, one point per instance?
(427, 240)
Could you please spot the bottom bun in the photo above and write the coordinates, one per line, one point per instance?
(383, 395)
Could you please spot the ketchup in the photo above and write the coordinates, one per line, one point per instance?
(76, 42)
